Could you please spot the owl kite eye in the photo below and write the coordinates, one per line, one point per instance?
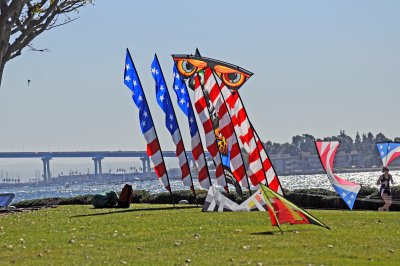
(232, 78)
(186, 68)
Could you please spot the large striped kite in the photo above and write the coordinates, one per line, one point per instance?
(231, 78)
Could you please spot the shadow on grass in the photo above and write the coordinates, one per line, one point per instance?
(271, 233)
(134, 210)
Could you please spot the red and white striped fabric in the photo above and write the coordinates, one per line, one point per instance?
(225, 126)
(185, 104)
(260, 167)
(200, 161)
(183, 163)
(201, 109)
(156, 159)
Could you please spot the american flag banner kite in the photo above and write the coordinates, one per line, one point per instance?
(211, 142)
(260, 166)
(388, 151)
(164, 101)
(185, 105)
(232, 78)
(131, 80)
(347, 190)
(223, 127)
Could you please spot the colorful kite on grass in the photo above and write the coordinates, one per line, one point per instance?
(347, 190)
(283, 211)
(217, 202)
(280, 210)
(255, 202)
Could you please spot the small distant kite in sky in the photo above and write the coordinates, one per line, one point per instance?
(29, 82)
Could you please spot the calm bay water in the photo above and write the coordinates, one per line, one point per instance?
(289, 182)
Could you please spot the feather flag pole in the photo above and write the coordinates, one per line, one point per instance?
(185, 104)
(132, 81)
(171, 122)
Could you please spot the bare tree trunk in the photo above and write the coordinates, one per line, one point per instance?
(1, 73)
(9, 15)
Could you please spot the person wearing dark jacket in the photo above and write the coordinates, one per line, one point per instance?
(385, 192)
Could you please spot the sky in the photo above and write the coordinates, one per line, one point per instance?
(320, 67)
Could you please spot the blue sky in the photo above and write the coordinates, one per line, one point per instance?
(320, 66)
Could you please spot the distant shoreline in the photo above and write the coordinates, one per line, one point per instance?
(342, 170)
(135, 177)
(368, 199)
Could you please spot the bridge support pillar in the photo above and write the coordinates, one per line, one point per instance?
(97, 165)
(100, 170)
(46, 168)
(148, 164)
(145, 164)
(143, 159)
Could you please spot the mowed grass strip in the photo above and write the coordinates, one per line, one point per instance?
(163, 235)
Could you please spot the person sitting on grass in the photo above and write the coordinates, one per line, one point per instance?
(384, 191)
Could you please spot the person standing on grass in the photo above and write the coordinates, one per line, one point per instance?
(384, 191)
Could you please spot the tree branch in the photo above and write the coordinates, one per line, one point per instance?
(61, 24)
(31, 48)
(23, 20)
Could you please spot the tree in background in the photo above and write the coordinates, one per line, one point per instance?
(305, 143)
(21, 21)
(358, 143)
(380, 137)
(346, 142)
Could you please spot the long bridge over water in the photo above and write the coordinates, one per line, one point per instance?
(96, 156)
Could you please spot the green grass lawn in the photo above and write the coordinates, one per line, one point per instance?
(162, 235)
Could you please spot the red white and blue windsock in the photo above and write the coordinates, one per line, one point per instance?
(185, 105)
(225, 128)
(347, 190)
(260, 166)
(131, 80)
(164, 101)
(200, 105)
(388, 151)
